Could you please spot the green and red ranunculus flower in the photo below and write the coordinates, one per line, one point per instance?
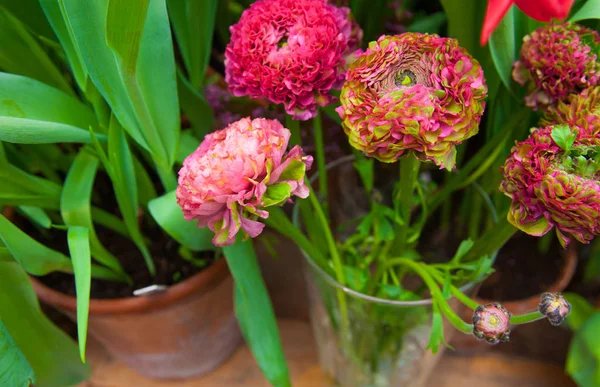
(236, 173)
(579, 111)
(557, 60)
(553, 180)
(412, 93)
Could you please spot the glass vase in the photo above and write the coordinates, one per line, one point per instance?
(362, 340)
(381, 343)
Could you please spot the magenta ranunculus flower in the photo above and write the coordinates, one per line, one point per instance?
(553, 180)
(412, 93)
(557, 60)
(290, 52)
(491, 323)
(236, 173)
(554, 307)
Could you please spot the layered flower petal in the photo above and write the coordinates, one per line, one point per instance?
(414, 93)
(551, 187)
(579, 111)
(236, 173)
(557, 60)
(290, 52)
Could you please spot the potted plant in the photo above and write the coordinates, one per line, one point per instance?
(90, 137)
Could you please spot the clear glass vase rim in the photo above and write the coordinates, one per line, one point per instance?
(332, 281)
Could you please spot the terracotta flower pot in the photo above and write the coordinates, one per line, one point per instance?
(468, 343)
(185, 331)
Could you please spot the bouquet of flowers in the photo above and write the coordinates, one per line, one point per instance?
(381, 289)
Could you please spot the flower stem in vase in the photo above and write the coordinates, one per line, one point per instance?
(409, 173)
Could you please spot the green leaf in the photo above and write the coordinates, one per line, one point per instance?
(24, 131)
(503, 47)
(143, 96)
(37, 215)
(51, 353)
(54, 13)
(583, 359)
(23, 97)
(276, 194)
(188, 143)
(581, 310)
(125, 38)
(79, 247)
(364, 167)
(563, 137)
(294, 171)
(462, 250)
(30, 13)
(75, 206)
(20, 188)
(255, 313)
(35, 258)
(123, 176)
(355, 278)
(169, 216)
(589, 10)
(592, 268)
(195, 107)
(193, 23)
(436, 337)
(22, 54)
(14, 367)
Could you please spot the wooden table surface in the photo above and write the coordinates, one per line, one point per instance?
(488, 369)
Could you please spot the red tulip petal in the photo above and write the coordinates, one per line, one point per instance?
(545, 10)
(495, 12)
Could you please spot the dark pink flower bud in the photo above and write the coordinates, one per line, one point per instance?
(554, 307)
(491, 323)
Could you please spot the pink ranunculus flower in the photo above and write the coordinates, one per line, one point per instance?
(552, 187)
(236, 173)
(290, 52)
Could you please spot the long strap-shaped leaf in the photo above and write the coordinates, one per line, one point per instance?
(36, 258)
(194, 22)
(51, 352)
(75, 205)
(130, 60)
(15, 370)
(79, 248)
(169, 216)
(22, 54)
(21, 188)
(255, 312)
(123, 176)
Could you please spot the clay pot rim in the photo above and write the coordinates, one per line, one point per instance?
(531, 303)
(209, 277)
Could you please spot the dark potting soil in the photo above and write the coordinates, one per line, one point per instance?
(522, 270)
(171, 268)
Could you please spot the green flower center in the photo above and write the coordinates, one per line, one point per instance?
(405, 78)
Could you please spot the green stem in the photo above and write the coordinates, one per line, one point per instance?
(409, 173)
(526, 318)
(335, 257)
(294, 127)
(492, 241)
(452, 317)
(460, 296)
(479, 163)
(279, 221)
(320, 155)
